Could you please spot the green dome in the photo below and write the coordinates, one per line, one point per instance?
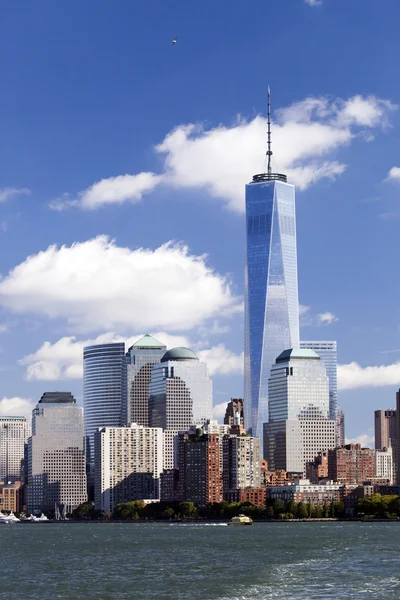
(179, 354)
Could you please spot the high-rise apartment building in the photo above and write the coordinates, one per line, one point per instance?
(180, 391)
(271, 289)
(384, 464)
(351, 464)
(232, 408)
(128, 465)
(14, 434)
(385, 428)
(327, 351)
(241, 462)
(104, 389)
(141, 358)
(340, 428)
(299, 426)
(200, 478)
(56, 459)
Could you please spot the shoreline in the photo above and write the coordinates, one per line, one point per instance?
(203, 521)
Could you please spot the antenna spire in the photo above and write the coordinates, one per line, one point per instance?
(269, 151)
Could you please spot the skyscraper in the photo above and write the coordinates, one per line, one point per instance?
(104, 389)
(340, 427)
(14, 434)
(385, 428)
(141, 358)
(299, 426)
(327, 351)
(271, 289)
(56, 459)
(233, 407)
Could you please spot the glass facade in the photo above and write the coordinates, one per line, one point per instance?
(104, 389)
(327, 351)
(271, 290)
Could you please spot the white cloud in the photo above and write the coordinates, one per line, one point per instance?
(16, 407)
(326, 318)
(394, 174)
(365, 439)
(97, 284)
(219, 411)
(3, 327)
(313, 2)
(64, 358)
(353, 376)
(9, 192)
(305, 135)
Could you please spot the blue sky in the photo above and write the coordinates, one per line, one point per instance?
(107, 130)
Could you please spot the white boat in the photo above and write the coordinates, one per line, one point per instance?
(241, 520)
(7, 519)
(12, 518)
(41, 518)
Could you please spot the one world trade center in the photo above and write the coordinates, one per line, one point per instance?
(271, 288)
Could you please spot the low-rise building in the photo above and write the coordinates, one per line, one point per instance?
(255, 496)
(304, 490)
(10, 496)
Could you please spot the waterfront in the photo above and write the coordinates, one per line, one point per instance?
(201, 561)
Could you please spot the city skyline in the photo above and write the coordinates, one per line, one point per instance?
(147, 190)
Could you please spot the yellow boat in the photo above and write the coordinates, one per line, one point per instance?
(241, 520)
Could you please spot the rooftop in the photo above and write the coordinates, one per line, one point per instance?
(57, 398)
(297, 354)
(148, 341)
(179, 354)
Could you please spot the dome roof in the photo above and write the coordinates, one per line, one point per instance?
(297, 353)
(179, 354)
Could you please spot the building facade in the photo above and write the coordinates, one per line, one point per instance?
(327, 351)
(241, 462)
(304, 491)
(128, 465)
(104, 389)
(299, 426)
(200, 478)
(14, 434)
(271, 288)
(318, 468)
(341, 428)
(384, 464)
(385, 428)
(180, 391)
(233, 407)
(10, 496)
(141, 358)
(352, 464)
(56, 459)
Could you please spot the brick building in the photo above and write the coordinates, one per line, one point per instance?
(303, 490)
(351, 464)
(10, 496)
(254, 495)
(318, 468)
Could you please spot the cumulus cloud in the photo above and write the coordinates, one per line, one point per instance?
(97, 284)
(219, 411)
(305, 136)
(353, 376)
(10, 192)
(394, 174)
(16, 407)
(365, 439)
(326, 318)
(63, 359)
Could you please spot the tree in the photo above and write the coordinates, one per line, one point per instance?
(279, 507)
(291, 507)
(318, 512)
(188, 510)
(302, 510)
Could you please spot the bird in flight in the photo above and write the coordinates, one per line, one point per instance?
(174, 41)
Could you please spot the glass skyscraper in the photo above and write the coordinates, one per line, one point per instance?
(327, 351)
(271, 289)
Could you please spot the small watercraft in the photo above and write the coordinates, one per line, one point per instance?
(241, 520)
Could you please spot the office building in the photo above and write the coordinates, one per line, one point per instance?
(180, 391)
(104, 389)
(340, 428)
(352, 464)
(56, 460)
(384, 464)
(385, 428)
(128, 465)
(241, 462)
(327, 351)
(199, 468)
(233, 407)
(271, 289)
(14, 434)
(141, 358)
(299, 426)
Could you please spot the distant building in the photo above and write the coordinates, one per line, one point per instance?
(199, 468)
(385, 428)
(341, 426)
(169, 480)
(318, 468)
(128, 465)
(279, 477)
(254, 495)
(303, 490)
(233, 407)
(299, 426)
(396, 444)
(14, 434)
(241, 462)
(141, 358)
(10, 496)
(384, 464)
(327, 351)
(352, 464)
(104, 389)
(180, 391)
(56, 469)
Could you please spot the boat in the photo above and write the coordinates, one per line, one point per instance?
(41, 518)
(241, 520)
(12, 518)
(7, 519)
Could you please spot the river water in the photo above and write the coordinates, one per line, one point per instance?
(285, 561)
